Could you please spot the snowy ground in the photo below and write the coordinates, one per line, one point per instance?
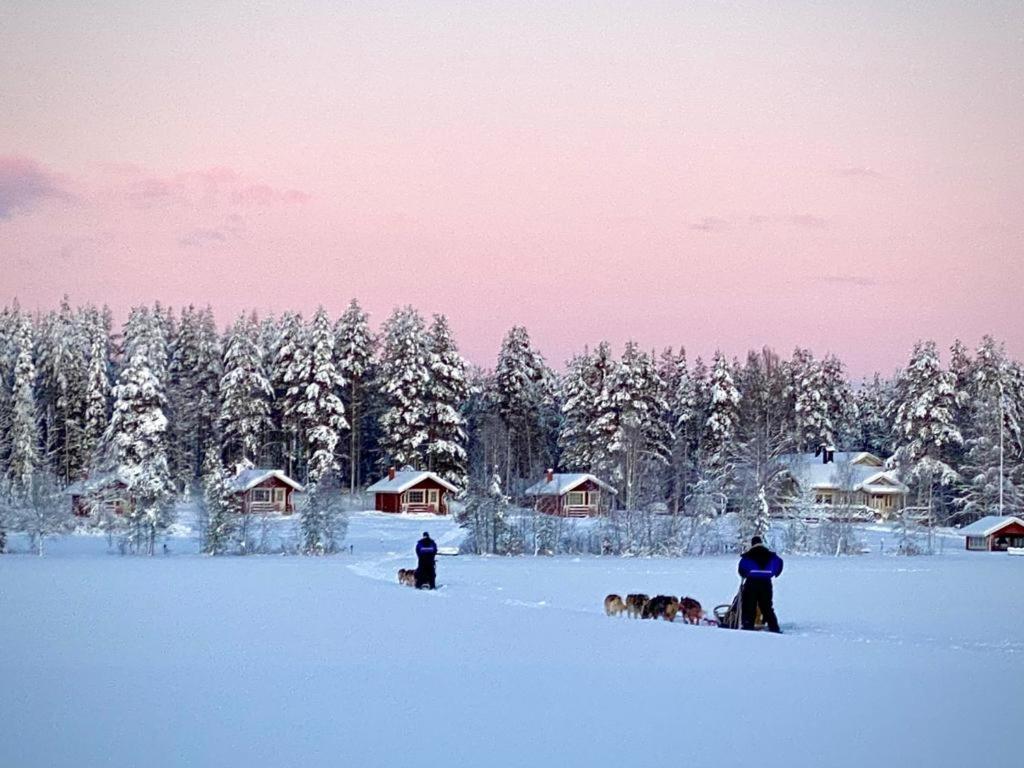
(186, 660)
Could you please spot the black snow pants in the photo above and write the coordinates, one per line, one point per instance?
(426, 573)
(757, 593)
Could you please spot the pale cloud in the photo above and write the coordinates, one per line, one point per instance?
(24, 183)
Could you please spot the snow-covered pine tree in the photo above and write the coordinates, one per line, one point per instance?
(24, 459)
(319, 409)
(97, 385)
(446, 395)
(8, 334)
(135, 446)
(354, 347)
(994, 436)
(220, 504)
(874, 432)
(923, 424)
(577, 397)
(324, 521)
(723, 413)
(524, 390)
(245, 393)
(404, 383)
(685, 422)
(812, 421)
(288, 377)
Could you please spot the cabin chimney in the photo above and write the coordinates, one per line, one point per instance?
(549, 476)
(391, 473)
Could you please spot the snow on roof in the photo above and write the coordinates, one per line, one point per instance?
(406, 479)
(250, 478)
(848, 469)
(563, 482)
(988, 525)
(95, 482)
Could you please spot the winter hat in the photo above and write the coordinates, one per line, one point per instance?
(756, 540)
(426, 535)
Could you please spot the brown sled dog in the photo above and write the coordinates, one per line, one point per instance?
(407, 576)
(613, 606)
(635, 605)
(661, 607)
(691, 610)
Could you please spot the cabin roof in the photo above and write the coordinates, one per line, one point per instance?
(406, 479)
(250, 478)
(848, 470)
(95, 482)
(990, 524)
(563, 482)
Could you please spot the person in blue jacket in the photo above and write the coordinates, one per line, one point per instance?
(426, 552)
(758, 566)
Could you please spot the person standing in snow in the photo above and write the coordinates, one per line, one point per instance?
(426, 552)
(758, 566)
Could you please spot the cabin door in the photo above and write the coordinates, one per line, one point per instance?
(432, 499)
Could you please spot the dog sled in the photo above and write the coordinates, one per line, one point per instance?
(728, 614)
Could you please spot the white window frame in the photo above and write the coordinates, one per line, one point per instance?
(256, 495)
(420, 493)
(580, 496)
(593, 498)
(432, 497)
(279, 495)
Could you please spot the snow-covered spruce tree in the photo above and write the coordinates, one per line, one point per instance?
(135, 446)
(220, 504)
(319, 410)
(60, 390)
(583, 390)
(994, 437)
(445, 397)
(923, 426)
(839, 400)
(631, 412)
(288, 377)
(324, 520)
(761, 439)
(686, 423)
(354, 349)
(812, 419)
(404, 384)
(524, 393)
(874, 432)
(97, 385)
(485, 517)
(23, 459)
(8, 333)
(723, 413)
(577, 397)
(245, 393)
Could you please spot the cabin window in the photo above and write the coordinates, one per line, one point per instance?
(279, 495)
(260, 494)
(577, 499)
(977, 542)
(415, 497)
(823, 498)
(594, 498)
(432, 496)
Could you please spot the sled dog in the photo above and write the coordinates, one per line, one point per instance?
(407, 576)
(661, 607)
(691, 610)
(613, 605)
(635, 605)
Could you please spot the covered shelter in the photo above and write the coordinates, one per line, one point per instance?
(265, 490)
(993, 533)
(571, 494)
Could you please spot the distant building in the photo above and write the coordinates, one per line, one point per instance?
(571, 494)
(993, 534)
(412, 490)
(856, 483)
(100, 492)
(265, 490)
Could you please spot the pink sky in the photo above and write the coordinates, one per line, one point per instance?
(700, 174)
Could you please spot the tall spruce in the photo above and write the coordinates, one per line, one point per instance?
(446, 395)
(245, 393)
(404, 385)
(353, 353)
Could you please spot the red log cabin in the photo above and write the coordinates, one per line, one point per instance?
(994, 534)
(571, 494)
(100, 492)
(411, 490)
(266, 490)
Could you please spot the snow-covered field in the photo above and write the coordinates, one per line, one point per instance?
(281, 661)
